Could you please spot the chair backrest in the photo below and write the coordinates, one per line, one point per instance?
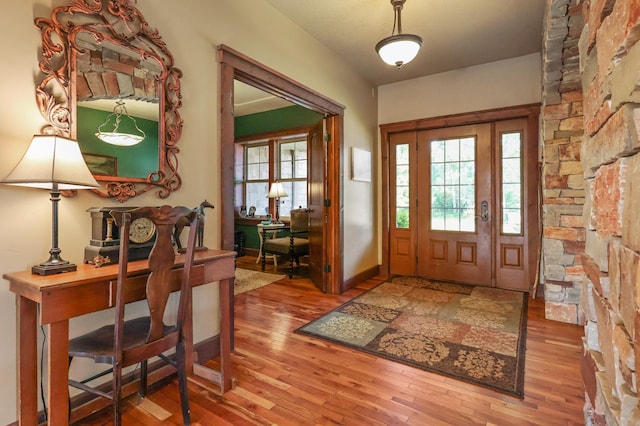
(300, 221)
(161, 282)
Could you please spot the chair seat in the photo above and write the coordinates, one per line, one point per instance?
(283, 245)
(98, 344)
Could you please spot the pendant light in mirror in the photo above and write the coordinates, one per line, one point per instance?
(115, 136)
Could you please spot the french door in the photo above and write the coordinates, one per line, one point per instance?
(463, 203)
(454, 192)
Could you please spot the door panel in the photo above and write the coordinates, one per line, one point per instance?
(317, 215)
(402, 216)
(454, 204)
(516, 182)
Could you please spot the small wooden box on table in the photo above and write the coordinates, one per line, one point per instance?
(89, 289)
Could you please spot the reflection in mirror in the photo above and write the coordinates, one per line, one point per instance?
(95, 54)
(135, 161)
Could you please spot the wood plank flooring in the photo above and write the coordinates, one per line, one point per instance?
(289, 379)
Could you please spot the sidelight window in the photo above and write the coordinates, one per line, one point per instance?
(402, 186)
(511, 177)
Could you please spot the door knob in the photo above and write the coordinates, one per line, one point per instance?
(484, 211)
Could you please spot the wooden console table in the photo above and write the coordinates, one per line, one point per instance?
(54, 299)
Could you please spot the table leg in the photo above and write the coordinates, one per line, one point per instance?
(27, 359)
(225, 335)
(221, 377)
(58, 365)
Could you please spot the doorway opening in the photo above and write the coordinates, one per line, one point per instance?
(328, 212)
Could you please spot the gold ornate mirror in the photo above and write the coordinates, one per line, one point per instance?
(103, 66)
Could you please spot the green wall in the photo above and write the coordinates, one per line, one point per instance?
(132, 161)
(270, 121)
(278, 119)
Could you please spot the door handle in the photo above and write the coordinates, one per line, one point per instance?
(484, 211)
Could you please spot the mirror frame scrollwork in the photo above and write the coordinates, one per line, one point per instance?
(120, 23)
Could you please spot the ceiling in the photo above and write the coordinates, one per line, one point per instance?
(456, 34)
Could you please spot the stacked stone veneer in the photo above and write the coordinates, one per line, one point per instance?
(610, 69)
(103, 73)
(562, 175)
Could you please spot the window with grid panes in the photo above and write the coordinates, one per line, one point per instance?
(257, 178)
(293, 175)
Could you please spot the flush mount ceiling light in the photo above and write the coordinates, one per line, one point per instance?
(398, 49)
(115, 136)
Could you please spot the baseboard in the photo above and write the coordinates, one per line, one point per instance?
(360, 277)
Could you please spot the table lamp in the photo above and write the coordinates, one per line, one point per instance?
(55, 163)
(277, 191)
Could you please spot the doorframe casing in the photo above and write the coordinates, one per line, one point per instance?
(529, 111)
(236, 66)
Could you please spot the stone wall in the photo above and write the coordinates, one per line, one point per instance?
(562, 177)
(104, 73)
(610, 70)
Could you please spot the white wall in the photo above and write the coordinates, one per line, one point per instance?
(192, 34)
(510, 82)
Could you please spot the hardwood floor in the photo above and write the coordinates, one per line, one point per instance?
(285, 378)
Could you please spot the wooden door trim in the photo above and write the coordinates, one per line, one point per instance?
(236, 66)
(529, 111)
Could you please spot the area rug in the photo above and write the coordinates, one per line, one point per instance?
(247, 280)
(475, 334)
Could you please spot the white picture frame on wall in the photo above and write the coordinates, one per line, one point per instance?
(360, 165)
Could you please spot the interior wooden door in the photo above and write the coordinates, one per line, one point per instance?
(317, 215)
(455, 204)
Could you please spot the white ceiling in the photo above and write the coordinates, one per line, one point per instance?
(456, 34)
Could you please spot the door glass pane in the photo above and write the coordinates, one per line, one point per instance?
(437, 173)
(511, 178)
(402, 186)
(453, 191)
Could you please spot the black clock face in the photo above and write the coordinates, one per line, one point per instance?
(141, 230)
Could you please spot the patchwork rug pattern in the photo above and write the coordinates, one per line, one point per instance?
(475, 334)
(247, 280)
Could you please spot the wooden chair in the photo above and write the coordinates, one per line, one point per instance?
(294, 245)
(126, 343)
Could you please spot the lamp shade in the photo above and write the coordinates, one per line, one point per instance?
(276, 191)
(52, 161)
(399, 49)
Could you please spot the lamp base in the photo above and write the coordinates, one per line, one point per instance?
(53, 268)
